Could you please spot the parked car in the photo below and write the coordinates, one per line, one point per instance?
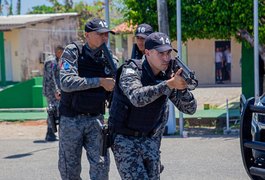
(252, 136)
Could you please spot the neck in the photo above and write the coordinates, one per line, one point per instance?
(153, 68)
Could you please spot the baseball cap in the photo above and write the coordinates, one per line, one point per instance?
(143, 30)
(158, 41)
(98, 25)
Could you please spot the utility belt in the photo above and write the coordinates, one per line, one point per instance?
(88, 114)
(129, 132)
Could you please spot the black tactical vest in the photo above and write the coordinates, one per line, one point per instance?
(123, 115)
(91, 100)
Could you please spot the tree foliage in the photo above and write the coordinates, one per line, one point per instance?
(84, 10)
(200, 18)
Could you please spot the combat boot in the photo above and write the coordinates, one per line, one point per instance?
(50, 136)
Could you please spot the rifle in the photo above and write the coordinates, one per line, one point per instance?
(54, 116)
(133, 55)
(136, 53)
(186, 73)
(108, 60)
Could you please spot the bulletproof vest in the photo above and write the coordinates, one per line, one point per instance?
(124, 115)
(91, 100)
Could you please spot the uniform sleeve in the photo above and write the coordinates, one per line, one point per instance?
(47, 78)
(69, 78)
(139, 95)
(54, 70)
(184, 101)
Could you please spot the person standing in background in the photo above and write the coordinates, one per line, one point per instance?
(51, 86)
(228, 57)
(219, 65)
(142, 31)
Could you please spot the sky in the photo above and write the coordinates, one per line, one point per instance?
(26, 5)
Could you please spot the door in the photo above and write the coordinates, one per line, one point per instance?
(8, 61)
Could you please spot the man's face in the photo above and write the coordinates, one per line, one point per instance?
(95, 39)
(158, 61)
(59, 53)
(140, 43)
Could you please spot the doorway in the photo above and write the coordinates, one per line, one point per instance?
(8, 61)
(223, 60)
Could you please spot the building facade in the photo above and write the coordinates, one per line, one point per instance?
(198, 54)
(28, 39)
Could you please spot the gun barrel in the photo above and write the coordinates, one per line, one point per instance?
(108, 57)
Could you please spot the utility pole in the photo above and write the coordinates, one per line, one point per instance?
(18, 7)
(179, 40)
(107, 16)
(256, 48)
(164, 27)
(162, 16)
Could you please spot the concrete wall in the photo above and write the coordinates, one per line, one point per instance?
(123, 51)
(28, 45)
(236, 73)
(200, 57)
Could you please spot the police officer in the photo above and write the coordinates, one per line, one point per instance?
(142, 31)
(139, 103)
(85, 83)
(51, 86)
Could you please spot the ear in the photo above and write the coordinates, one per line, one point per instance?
(86, 34)
(147, 52)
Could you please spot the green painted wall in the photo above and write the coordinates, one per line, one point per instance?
(247, 63)
(2, 60)
(27, 94)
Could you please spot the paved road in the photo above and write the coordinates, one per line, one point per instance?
(24, 156)
(193, 158)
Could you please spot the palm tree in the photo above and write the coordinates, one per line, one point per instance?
(18, 6)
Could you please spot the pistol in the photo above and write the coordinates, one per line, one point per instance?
(105, 137)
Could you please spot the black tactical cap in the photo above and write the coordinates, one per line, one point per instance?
(143, 30)
(98, 25)
(158, 41)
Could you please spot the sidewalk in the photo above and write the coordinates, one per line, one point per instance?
(215, 97)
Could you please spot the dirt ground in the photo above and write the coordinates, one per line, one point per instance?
(23, 130)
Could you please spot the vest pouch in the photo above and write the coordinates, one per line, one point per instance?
(88, 102)
(144, 119)
(119, 113)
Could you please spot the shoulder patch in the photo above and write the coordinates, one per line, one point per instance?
(66, 66)
(129, 71)
(135, 63)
